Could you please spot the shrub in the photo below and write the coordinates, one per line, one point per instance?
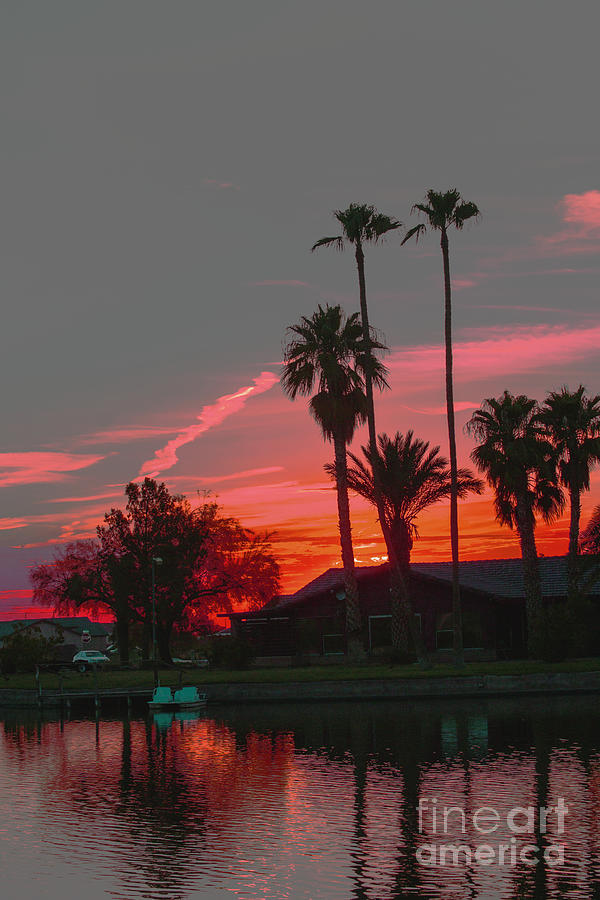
(556, 635)
(229, 652)
(23, 650)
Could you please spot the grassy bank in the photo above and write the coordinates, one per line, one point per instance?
(143, 678)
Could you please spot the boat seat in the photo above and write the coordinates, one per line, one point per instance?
(162, 695)
(187, 695)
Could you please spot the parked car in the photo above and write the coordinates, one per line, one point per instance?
(86, 659)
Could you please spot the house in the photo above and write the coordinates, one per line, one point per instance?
(312, 620)
(76, 632)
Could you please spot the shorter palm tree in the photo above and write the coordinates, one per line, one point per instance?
(326, 352)
(572, 423)
(413, 476)
(519, 462)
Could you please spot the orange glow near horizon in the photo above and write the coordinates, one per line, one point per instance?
(261, 456)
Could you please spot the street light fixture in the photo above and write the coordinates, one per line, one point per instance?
(156, 561)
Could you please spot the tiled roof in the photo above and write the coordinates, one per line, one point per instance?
(498, 577)
(504, 577)
(82, 623)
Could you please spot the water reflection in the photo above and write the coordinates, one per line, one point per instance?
(301, 801)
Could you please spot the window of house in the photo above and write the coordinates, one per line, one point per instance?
(473, 635)
(380, 630)
(444, 632)
(334, 644)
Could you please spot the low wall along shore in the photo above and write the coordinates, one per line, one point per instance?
(367, 689)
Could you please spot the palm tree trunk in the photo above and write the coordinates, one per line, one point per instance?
(459, 657)
(163, 639)
(573, 558)
(400, 605)
(122, 634)
(353, 617)
(531, 578)
(402, 541)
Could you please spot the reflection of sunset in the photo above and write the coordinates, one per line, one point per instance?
(276, 801)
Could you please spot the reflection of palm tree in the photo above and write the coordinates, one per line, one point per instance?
(519, 463)
(444, 211)
(412, 476)
(326, 351)
(360, 743)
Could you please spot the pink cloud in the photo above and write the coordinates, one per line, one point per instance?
(106, 496)
(222, 185)
(496, 351)
(459, 406)
(232, 476)
(460, 283)
(520, 308)
(211, 416)
(31, 467)
(123, 435)
(9, 524)
(583, 209)
(581, 215)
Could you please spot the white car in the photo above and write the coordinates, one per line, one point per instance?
(86, 659)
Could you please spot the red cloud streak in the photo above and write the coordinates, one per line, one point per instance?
(31, 467)
(211, 416)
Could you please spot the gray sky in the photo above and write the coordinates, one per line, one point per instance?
(165, 169)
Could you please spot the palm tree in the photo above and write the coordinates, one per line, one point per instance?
(590, 536)
(413, 477)
(326, 351)
(444, 211)
(363, 224)
(519, 462)
(572, 423)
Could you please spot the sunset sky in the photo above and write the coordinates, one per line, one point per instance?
(165, 171)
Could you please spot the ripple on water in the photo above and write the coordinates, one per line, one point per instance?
(303, 802)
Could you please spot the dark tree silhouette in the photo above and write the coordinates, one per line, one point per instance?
(363, 224)
(444, 211)
(325, 355)
(572, 423)
(519, 462)
(209, 563)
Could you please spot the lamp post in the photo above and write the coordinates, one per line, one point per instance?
(156, 561)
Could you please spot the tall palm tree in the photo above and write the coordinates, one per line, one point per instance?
(444, 211)
(326, 352)
(413, 476)
(519, 462)
(363, 224)
(572, 423)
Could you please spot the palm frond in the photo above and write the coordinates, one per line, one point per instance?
(463, 212)
(337, 242)
(417, 231)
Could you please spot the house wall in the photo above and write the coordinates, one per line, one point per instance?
(317, 626)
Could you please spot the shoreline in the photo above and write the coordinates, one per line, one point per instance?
(540, 683)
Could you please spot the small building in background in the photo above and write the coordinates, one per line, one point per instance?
(76, 633)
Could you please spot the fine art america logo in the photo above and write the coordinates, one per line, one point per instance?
(519, 827)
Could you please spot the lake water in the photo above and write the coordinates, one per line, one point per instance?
(302, 801)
